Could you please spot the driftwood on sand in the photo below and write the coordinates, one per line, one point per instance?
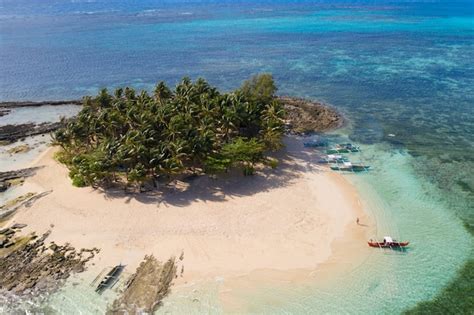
(146, 288)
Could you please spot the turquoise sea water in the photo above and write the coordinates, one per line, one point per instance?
(402, 71)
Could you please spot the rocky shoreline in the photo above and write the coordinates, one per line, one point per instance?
(29, 267)
(146, 288)
(9, 178)
(12, 133)
(305, 116)
(13, 104)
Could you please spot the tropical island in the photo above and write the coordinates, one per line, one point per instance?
(199, 218)
(139, 138)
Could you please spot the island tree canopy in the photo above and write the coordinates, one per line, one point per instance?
(138, 137)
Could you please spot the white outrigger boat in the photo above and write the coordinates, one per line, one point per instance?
(333, 158)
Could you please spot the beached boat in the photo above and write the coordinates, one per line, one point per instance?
(350, 167)
(110, 279)
(388, 242)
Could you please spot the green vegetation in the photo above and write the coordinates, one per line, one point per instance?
(195, 128)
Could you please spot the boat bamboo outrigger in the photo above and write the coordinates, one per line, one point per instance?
(348, 146)
(343, 148)
(333, 158)
(388, 242)
(110, 279)
(350, 167)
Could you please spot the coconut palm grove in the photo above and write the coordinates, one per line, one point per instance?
(133, 138)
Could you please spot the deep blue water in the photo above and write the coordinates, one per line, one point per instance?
(379, 58)
(401, 67)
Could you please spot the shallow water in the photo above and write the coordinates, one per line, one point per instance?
(387, 282)
(46, 113)
(403, 72)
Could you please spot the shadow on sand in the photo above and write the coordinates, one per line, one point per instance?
(294, 160)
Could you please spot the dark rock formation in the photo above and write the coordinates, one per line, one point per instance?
(4, 111)
(29, 267)
(11, 206)
(146, 288)
(305, 116)
(7, 178)
(42, 103)
(12, 133)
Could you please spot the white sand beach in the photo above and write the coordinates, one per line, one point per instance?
(292, 218)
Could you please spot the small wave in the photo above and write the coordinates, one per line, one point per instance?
(149, 12)
(93, 12)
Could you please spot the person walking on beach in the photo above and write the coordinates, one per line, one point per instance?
(357, 221)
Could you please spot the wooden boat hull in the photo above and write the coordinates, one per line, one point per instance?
(110, 278)
(388, 245)
(360, 168)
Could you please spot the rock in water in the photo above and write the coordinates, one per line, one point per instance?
(19, 149)
(12, 133)
(304, 116)
(10, 178)
(146, 288)
(29, 269)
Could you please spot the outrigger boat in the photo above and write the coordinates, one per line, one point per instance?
(110, 279)
(349, 146)
(336, 150)
(333, 158)
(349, 167)
(343, 148)
(388, 242)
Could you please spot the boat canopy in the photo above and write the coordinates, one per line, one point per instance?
(347, 164)
(388, 239)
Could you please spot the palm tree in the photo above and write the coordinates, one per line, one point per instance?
(142, 136)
